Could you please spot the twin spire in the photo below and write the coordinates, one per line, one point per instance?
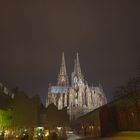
(77, 68)
(63, 77)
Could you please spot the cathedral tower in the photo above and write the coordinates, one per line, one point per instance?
(77, 76)
(62, 76)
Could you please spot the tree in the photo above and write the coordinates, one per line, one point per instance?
(132, 92)
(6, 120)
(52, 116)
(56, 117)
(25, 110)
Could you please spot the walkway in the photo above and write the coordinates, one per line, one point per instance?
(73, 136)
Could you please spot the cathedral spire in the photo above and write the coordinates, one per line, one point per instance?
(62, 76)
(77, 67)
(77, 75)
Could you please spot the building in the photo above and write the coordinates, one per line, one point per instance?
(77, 96)
(5, 91)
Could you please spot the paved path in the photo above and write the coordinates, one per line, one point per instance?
(73, 137)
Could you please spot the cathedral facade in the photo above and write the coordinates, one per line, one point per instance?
(77, 95)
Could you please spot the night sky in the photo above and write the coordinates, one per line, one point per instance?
(33, 34)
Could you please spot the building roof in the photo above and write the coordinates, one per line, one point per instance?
(58, 89)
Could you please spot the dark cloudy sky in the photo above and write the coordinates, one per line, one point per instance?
(33, 34)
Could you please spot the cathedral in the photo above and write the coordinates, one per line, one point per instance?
(77, 95)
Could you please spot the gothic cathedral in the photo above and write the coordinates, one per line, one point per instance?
(77, 96)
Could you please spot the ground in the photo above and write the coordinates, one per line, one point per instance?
(120, 138)
(129, 135)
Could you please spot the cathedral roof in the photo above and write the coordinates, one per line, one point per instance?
(59, 89)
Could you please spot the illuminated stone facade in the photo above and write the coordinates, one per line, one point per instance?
(79, 97)
(6, 91)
